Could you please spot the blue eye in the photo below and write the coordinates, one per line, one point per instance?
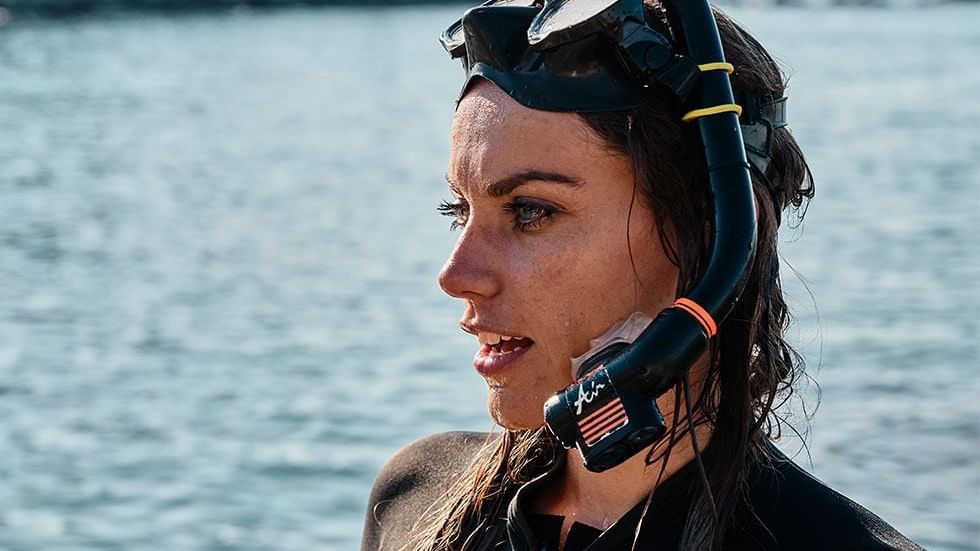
(459, 211)
(529, 215)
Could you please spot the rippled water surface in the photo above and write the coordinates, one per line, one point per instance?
(218, 244)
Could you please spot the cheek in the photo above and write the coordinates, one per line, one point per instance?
(570, 288)
(580, 285)
(546, 281)
(595, 275)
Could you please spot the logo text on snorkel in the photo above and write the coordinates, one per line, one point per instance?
(586, 396)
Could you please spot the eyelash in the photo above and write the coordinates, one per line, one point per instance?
(460, 211)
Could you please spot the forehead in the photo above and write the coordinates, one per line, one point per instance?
(492, 135)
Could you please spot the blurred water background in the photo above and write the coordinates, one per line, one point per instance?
(218, 245)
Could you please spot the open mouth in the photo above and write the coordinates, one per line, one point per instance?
(502, 344)
(499, 351)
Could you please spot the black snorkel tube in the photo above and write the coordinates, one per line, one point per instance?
(611, 413)
(535, 52)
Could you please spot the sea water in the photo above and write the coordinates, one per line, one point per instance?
(218, 248)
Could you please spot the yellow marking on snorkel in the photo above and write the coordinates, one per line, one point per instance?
(724, 108)
(714, 110)
(717, 66)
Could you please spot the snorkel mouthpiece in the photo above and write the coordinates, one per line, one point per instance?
(602, 55)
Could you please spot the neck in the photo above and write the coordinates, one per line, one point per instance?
(600, 499)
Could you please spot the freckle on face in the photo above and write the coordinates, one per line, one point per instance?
(564, 282)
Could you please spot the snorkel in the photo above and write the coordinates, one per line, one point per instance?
(602, 55)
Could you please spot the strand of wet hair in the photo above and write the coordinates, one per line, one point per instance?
(665, 458)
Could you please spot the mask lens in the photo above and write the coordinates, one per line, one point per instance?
(453, 39)
(567, 18)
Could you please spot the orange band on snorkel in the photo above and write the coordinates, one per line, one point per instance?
(698, 313)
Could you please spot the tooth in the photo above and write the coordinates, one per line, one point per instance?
(493, 338)
(505, 337)
(482, 337)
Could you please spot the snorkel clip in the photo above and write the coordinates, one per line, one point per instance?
(651, 56)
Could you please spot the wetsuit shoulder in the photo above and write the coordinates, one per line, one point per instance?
(411, 481)
(801, 512)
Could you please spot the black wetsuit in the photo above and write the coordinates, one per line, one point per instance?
(798, 512)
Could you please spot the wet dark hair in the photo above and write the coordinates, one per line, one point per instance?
(751, 370)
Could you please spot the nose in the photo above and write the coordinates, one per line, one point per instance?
(470, 271)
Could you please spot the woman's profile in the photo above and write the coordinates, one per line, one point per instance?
(615, 247)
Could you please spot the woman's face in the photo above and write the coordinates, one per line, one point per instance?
(544, 251)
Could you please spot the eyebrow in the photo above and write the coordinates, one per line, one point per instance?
(501, 188)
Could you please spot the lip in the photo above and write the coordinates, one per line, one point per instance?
(477, 328)
(489, 365)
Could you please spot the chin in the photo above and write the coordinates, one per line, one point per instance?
(515, 412)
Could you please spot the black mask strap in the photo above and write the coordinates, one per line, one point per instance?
(759, 119)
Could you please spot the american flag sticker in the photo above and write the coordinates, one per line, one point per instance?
(600, 422)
